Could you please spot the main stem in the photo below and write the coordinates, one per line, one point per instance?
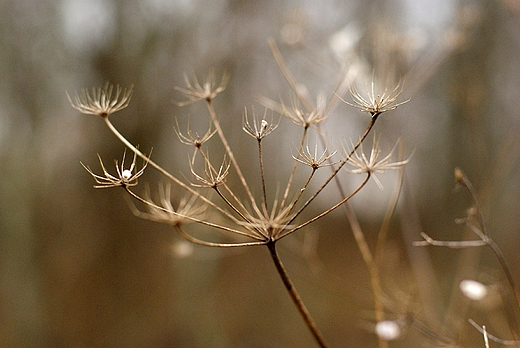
(295, 296)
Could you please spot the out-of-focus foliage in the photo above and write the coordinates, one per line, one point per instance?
(77, 269)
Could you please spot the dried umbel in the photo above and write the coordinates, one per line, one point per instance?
(125, 176)
(373, 163)
(373, 103)
(208, 90)
(101, 101)
(246, 215)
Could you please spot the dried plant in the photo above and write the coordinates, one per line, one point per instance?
(375, 104)
(239, 217)
(101, 101)
(474, 290)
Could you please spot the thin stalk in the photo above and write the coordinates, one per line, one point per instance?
(194, 240)
(368, 258)
(293, 172)
(227, 201)
(328, 211)
(288, 76)
(145, 158)
(230, 153)
(300, 193)
(383, 231)
(289, 286)
(373, 269)
(238, 211)
(262, 175)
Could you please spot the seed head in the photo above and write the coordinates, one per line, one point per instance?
(372, 164)
(125, 177)
(187, 209)
(313, 159)
(212, 177)
(101, 101)
(307, 119)
(258, 129)
(195, 91)
(376, 104)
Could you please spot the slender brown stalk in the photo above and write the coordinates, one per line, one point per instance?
(230, 153)
(368, 257)
(287, 75)
(262, 176)
(293, 171)
(328, 211)
(289, 286)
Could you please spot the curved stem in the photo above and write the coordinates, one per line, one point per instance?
(194, 240)
(295, 296)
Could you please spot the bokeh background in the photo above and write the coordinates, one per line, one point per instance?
(78, 269)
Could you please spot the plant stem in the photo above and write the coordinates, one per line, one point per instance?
(262, 176)
(295, 296)
(230, 153)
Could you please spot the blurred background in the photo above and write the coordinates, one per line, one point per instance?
(78, 269)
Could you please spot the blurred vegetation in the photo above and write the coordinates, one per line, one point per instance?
(77, 269)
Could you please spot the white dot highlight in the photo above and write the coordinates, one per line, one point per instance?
(473, 290)
(183, 249)
(126, 174)
(388, 330)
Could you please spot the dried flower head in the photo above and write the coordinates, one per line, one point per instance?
(307, 119)
(270, 226)
(195, 91)
(376, 104)
(258, 129)
(193, 138)
(372, 164)
(101, 101)
(313, 159)
(164, 212)
(212, 177)
(125, 177)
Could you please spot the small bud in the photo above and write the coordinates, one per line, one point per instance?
(473, 290)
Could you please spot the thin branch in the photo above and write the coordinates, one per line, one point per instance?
(328, 211)
(248, 234)
(230, 153)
